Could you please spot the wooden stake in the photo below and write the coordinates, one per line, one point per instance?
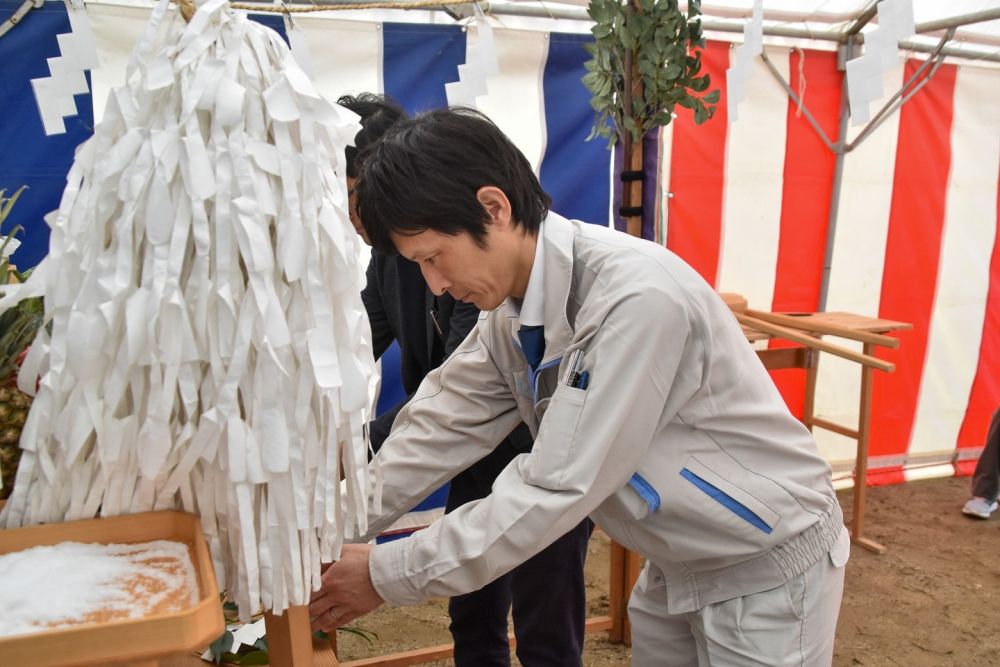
(289, 639)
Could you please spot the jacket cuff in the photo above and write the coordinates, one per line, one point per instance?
(387, 568)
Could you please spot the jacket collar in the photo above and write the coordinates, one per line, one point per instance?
(557, 244)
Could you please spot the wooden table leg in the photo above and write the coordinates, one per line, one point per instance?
(861, 465)
(616, 593)
(812, 371)
(289, 639)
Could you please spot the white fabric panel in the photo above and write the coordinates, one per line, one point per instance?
(514, 98)
(116, 30)
(856, 269)
(755, 161)
(970, 223)
(346, 55)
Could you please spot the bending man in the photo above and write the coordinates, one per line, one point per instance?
(651, 414)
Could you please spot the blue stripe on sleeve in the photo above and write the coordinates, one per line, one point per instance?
(646, 490)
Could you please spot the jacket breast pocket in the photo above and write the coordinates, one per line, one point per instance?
(553, 448)
(737, 502)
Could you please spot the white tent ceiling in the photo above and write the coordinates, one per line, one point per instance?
(818, 17)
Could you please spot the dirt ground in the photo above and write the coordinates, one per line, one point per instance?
(931, 601)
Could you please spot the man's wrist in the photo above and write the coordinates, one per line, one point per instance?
(387, 569)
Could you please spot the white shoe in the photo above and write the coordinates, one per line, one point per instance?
(980, 508)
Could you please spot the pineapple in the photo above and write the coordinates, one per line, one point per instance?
(18, 326)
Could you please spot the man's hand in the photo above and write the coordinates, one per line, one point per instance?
(347, 591)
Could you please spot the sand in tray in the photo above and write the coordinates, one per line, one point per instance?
(72, 583)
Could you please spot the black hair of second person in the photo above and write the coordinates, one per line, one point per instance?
(426, 171)
(378, 113)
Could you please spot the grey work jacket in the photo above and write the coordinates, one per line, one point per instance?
(680, 448)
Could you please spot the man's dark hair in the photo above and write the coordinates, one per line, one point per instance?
(378, 113)
(426, 171)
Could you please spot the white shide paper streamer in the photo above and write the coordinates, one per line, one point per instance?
(739, 72)
(864, 73)
(208, 349)
(480, 64)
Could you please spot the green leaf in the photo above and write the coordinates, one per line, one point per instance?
(687, 102)
(699, 84)
(7, 203)
(601, 30)
(700, 115)
(625, 37)
(367, 635)
(672, 71)
(220, 647)
(605, 88)
(712, 97)
(647, 67)
(255, 658)
(642, 27)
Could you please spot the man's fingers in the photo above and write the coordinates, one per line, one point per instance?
(332, 619)
(319, 604)
(327, 622)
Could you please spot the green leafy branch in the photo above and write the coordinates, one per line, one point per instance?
(655, 42)
(257, 654)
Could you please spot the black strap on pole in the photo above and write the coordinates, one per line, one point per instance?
(630, 211)
(629, 176)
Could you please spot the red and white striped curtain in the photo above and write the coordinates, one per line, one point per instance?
(748, 205)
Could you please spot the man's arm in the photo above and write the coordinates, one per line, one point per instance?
(588, 446)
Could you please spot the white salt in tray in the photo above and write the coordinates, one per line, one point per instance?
(126, 588)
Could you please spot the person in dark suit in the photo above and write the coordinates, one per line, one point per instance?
(546, 594)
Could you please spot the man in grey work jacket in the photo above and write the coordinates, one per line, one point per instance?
(651, 413)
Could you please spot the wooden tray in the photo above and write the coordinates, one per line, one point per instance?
(128, 640)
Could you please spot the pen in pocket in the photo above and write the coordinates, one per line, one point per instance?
(573, 368)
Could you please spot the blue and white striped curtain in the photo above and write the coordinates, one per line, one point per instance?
(537, 99)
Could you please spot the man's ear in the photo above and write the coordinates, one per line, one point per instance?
(496, 204)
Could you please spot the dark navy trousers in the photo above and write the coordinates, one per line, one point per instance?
(547, 598)
(545, 595)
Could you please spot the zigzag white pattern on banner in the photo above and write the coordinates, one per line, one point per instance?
(54, 93)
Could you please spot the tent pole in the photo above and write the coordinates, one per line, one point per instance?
(846, 52)
(632, 151)
(795, 98)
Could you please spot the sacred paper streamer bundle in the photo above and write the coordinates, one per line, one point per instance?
(208, 348)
